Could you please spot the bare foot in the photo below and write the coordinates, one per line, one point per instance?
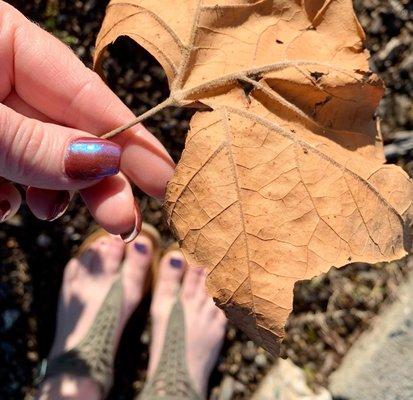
(86, 282)
(204, 322)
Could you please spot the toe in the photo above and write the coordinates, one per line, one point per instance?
(220, 317)
(104, 256)
(171, 270)
(138, 258)
(193, 286)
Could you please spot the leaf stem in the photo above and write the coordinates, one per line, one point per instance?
(170, 101)
(177, 96)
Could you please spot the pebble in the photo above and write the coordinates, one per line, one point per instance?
(249, 351)
(43, 240)
(227, 388)
(9, 318)
(261, 360)
(239, 387)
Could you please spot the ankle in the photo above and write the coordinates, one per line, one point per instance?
(69, 387)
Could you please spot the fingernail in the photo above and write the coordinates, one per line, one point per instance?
(141, 248)
(92, 158)
(127, 237)
(176, 262)
(61, 203)
(5, 208)
(130, 235)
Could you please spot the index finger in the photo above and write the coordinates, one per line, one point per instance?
(50, 78)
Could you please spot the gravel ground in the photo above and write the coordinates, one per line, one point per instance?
(329, 312)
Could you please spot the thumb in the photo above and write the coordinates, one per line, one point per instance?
(50, 156)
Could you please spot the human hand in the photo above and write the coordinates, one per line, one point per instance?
(51, 108)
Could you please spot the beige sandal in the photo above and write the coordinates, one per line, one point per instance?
(94, 356)
(171, 380)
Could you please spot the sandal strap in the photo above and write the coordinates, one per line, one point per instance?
(171, 380)
(94, 356)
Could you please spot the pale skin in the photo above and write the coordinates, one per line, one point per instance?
(49, 98)
(87, 280)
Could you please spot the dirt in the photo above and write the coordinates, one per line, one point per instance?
(329, 312)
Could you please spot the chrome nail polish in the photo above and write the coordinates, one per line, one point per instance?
(92, 158)
(5, 208)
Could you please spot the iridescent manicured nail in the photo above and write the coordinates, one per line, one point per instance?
(5, 208)
(176, 262)
(92, 158)
(59, 205)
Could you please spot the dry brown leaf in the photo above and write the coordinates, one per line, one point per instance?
(282, 178)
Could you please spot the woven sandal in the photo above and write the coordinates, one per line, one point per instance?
(94, 356)
(171, 380)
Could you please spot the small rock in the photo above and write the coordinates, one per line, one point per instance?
(239, 387)
(9, 318)
(43, 240)
(392, 48)
(145, 337)
(16, 220)
(243, 377)
(407, 63)
(285, 381)
(227, 388)
(249, 351)
(233, 369)
(33, 356)
(261, 360)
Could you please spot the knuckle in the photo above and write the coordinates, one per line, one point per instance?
(91, 82)
(87, 86)
(23, 150)
(28, 147)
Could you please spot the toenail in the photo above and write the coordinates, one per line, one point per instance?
(176, 262)
(141, 248)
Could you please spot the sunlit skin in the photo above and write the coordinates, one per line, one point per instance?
(48, 99)
(87, 280)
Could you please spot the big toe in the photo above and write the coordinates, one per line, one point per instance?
(103, 257)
